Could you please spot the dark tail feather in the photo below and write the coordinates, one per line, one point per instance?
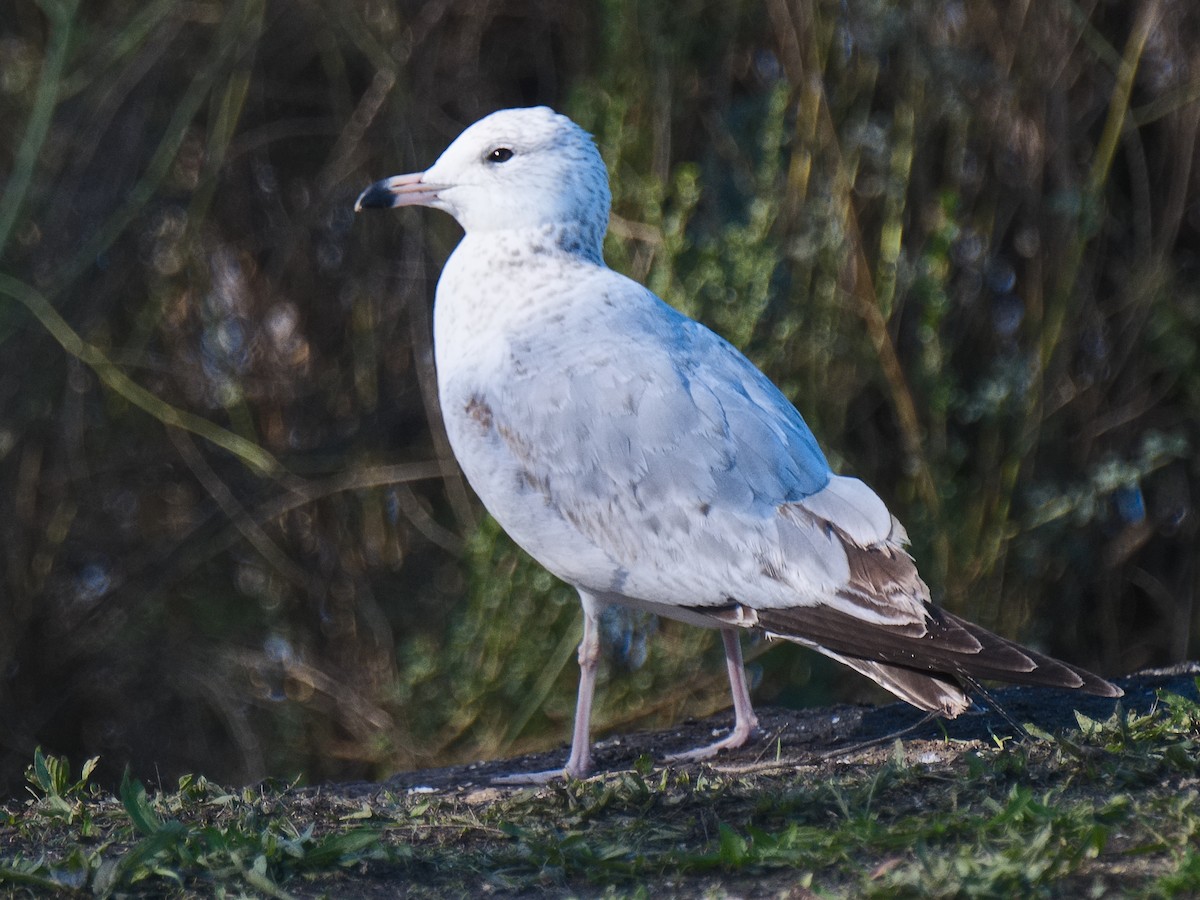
(1046, 670)
(927, 670)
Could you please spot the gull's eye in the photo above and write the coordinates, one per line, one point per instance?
(499, 155)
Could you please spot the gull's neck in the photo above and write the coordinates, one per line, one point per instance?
(582, 241)
(501, 284)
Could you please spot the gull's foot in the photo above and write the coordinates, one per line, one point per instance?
(736, 738)
(519, 778)
(578, 766)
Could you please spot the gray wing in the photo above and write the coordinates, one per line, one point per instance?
(644, 459)
(634, 452)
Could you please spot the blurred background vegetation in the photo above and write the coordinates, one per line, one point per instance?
(961, 235)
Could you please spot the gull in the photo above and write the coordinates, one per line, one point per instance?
(641, 458)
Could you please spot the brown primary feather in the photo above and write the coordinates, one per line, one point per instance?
(920, 661)
(925, 658)
(896, 657)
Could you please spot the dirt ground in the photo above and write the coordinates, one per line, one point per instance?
(814, 737)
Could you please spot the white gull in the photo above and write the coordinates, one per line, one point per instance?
(644, 460)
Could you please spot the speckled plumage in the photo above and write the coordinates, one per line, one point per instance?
(644, 460)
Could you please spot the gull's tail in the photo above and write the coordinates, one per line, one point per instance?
(928, 671)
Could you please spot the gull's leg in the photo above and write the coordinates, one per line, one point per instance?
(744, 720)
(580, 761)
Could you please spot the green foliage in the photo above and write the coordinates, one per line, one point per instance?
(140, 843)
(959, 238)
(51, 775)
(1111, 809)
(1184, 881)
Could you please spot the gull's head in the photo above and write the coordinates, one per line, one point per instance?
(517, 168)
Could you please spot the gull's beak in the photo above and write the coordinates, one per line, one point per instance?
(399, 190)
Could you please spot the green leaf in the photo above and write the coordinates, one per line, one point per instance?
(41, 772)
(341, 849)
(733, 848)
(88, 768)
(31, 877)
(133, 798)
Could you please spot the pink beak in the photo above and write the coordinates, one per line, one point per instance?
(399, 190)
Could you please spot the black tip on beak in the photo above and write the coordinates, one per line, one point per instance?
(377, 196)
(399, 190)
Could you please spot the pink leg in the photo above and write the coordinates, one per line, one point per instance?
(744, 720)
(580, 760)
